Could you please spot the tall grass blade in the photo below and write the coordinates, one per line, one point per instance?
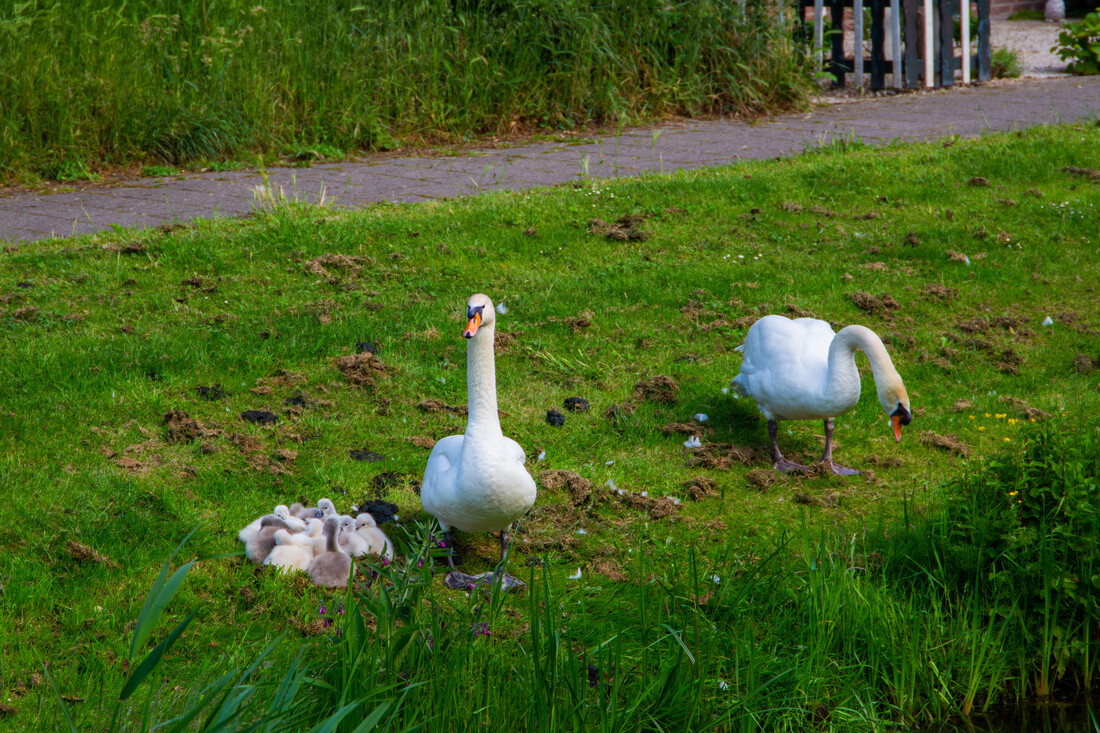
(159, 596)
(153, 658)
(60, 701)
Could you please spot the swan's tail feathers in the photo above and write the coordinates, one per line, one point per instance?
(737, 384)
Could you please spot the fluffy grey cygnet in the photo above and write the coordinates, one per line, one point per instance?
(260, 546)
(332, 567)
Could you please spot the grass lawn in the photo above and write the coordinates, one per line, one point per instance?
(954, 252)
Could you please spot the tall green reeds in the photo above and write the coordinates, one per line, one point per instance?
(87, 82)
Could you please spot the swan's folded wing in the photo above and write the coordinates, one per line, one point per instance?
(444, 457)
(515, 450)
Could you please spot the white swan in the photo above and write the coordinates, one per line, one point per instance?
(377, 541)
(292, 551)
(801, 370)
(476, 482)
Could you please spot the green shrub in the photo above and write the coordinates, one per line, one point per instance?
(1080, 41)
(1005, 64)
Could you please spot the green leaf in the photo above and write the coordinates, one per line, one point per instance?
(371, 720)
(153, 659)
(331, 723)
(159, 596)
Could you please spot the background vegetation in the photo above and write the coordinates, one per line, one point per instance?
(89, 83)
(957, 573)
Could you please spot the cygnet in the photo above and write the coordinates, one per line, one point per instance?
(332, 567)
(292, 551)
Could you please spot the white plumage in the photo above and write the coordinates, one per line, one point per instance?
(476, 482)
(802, 370)
(292, 551)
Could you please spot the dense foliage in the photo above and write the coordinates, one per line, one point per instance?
(91, 82)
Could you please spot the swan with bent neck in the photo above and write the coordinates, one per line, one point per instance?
(476, 482)
(802, 370)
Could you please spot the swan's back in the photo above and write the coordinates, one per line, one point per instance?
(785, 365)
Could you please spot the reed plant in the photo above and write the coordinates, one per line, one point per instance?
(90, 83)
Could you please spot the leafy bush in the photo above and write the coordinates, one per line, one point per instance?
(1024, 531)
(1080, 41)
(1005, 63)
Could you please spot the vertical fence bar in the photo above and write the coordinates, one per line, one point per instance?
(912, 42)
(947, 42)
(964, 42)
(836, 10)
(857, 32)
(895, 42)
(984, 61)
(929, 53)
(878, 50)
(819, 33)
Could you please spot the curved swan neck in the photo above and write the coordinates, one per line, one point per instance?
(481, 382)
(842, 358)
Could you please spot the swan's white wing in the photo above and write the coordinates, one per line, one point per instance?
(515, 450)
(785, 364)
(441, 474)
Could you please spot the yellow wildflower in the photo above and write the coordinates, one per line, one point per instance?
(1012, 421)
(981, 427)
(1000, 416)
(988, 415)
(1008, 440)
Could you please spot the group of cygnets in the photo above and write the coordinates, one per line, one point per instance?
(315, 540)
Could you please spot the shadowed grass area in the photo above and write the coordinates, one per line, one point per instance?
(752, 601)
(90, 84)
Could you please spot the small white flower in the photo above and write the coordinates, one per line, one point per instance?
(542, 456)
(576, 575)
(693, 442)
(702, 416)
(1048, 321)
(501, 308)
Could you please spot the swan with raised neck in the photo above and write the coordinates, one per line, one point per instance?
(801, 370)
(477, 482)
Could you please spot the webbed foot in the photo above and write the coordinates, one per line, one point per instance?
(784, 466)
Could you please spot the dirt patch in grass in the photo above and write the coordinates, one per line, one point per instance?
(245, 443)
(323, 265)
(434, 405)
(580, 488)
(722, 456)
(662, 389)
(761, 478)
(614, 412)
(179, 427)
(701, 487)
(685, 428)
(1090, 173)
(609, 569)
(1085, 364)
(259, 417)
(934, 291)
(83, 553)
(1028, 413)
(828, 499)
(421, 442)
(578, 322)
(876, 305)
(948, 443)
(658, 508)
(576, 404)
(625, 229)
(362, 370)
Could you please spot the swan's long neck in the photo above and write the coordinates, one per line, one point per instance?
(481, 384)
(842, 364)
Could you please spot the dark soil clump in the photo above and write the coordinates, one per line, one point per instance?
(761, 478)
(382, 511)
(366, 455)
(576, 404)
(366, 347)
(555, 418)
(874, 304)
(722, 456)
(212, 393)
(260, 417)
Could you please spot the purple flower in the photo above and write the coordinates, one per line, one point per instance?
(321, 610)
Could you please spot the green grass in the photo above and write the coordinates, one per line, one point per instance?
(814, 611)
(90, 84)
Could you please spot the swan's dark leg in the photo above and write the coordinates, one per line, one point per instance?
(779, 463)
(449, 543)
(828, 457)
(505, 541)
